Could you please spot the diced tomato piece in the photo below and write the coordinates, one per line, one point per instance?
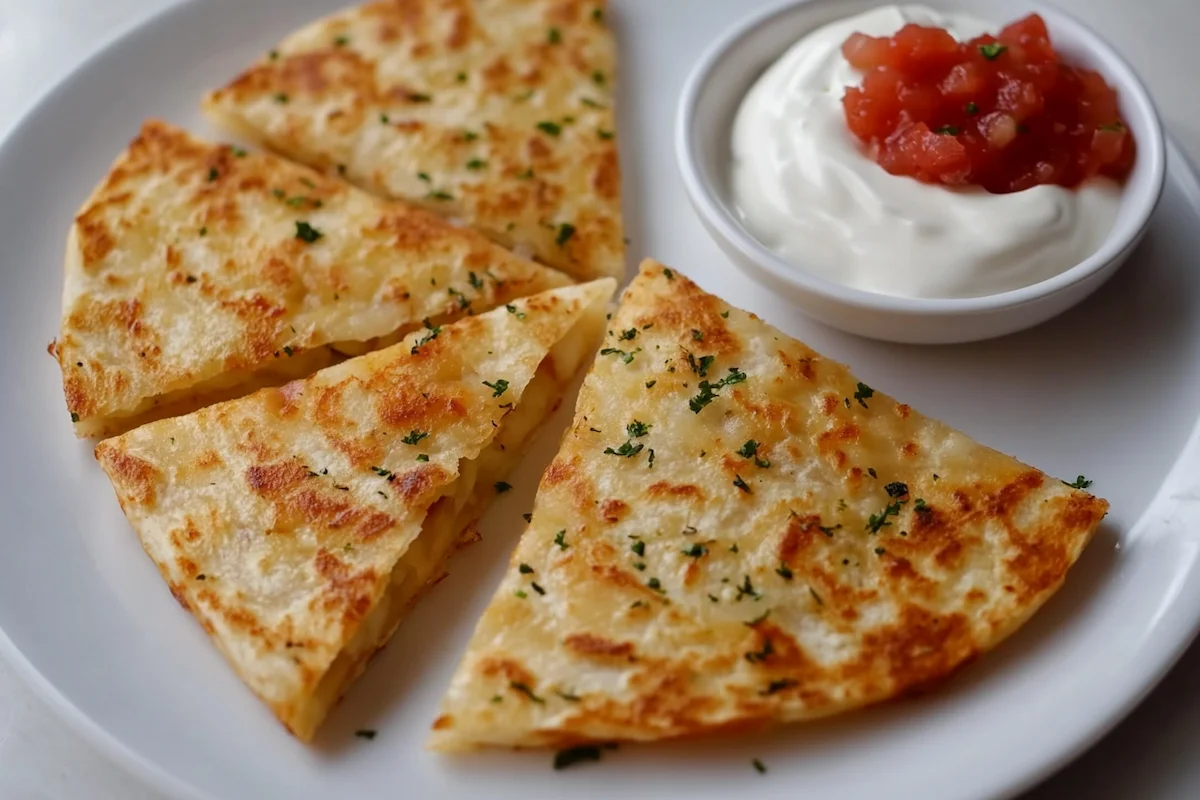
(1004, 112)
(866, 52)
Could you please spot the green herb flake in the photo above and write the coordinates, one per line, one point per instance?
(638, 548)
(655, 584)
(560, 539)
(877, 522)
(760, 766)
(896, 489)
(972, 108)
(992, 50)
(627, 450)
(696, 551)
(816, 597)
(637, 429)
(650, 384)
(554, 36)
(747, 590)
(863, 393)
(784, 572)
(366, 733)
(440, 195)
(213, 174)
(417, 97)
(501, 487)
(576, 755)
(565, 231)
(415, 436)
(1079, 483)
(424, 176)
(281, 98)
(599, 78)
(626, 335)
(627, 357)
(947, 130)
(534, 585)
(476, 164)
(498, 388)
(604, 135)
(549, 128)
(741, 484)
(524, 689)
(307, 233)
(341, 41)
(777, 686)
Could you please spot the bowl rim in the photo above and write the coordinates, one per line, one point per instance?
(720, 220)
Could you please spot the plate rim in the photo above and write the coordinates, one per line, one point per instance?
(1106, 715)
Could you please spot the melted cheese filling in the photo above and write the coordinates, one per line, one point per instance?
(448, 518)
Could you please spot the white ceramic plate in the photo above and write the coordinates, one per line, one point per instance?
(1110, 390)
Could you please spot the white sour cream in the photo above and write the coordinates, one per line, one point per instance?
(807, 190)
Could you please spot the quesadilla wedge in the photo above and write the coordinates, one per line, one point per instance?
(498, 113)
(299, 524)
(737, 530)
(197, 272)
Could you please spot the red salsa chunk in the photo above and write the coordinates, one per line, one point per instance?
(1002, 112)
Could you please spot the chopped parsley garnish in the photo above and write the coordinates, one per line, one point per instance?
(415, 436)
(627, 450)
(972, 108)
(570, 697)
(366, 733)
(747, 588)
(696, 551)
(565, 231)
(828, 531)
(501, 486)
(273, 55)
(307, 233)
(896, 489)
(526, 175)
(554, 36)
(638, 548)
(668, 273)
(424, 176)
(604, 135)
(992, 50)
(650, 384)
(741, 484)
(470, 136)
(381, 472)
(419, 98)
(700, 367)
(439, 195)
(341, 41)
(598, 77)
(423, 457)
(628, 334)
(461, 77)
(697, 335)
(463, 302)
(524, 689)
(475, 281)
(527, 517)
(877, 522)
(533, 585)
(498, 388)
(74, 417)
(863, 393)
(597, 15)
(778, 686)
(784, 571)
(516, 312)
(281, 98)
(759, 656)
(947, 130)
(213, 174)
(655, 584)
(637, 429)
(476, 164)
(871, 471)
(525, 569)
(816, 596)
(560, 539)
(1079, 483)
(203, 232)
(879, 551)
(627, 357)
(708, 391)
(551, 128)
(590, 103)
(576, 755)
(432, 333)
(758, 765)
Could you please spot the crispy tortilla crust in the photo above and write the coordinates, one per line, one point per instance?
(286, 519)
(186, 272)
(796, 545)
(498, 113)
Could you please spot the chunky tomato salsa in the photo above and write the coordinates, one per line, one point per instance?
(1003, 112)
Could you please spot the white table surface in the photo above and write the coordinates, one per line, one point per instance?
(1151, 755)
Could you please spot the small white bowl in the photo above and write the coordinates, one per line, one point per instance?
(730, 66)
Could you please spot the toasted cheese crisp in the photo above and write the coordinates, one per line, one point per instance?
(735, 531)
(198, 272)
(495, 112)
(299, 524)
